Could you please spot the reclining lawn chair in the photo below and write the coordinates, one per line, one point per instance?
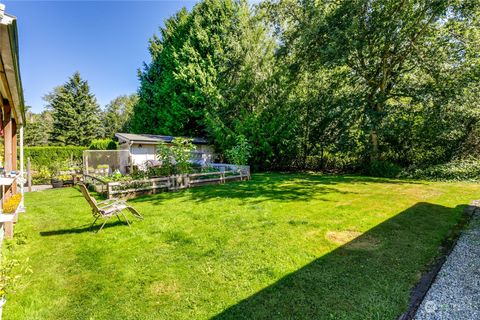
(108, 208)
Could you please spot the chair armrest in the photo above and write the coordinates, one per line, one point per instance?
(105, 204)
(109, 201)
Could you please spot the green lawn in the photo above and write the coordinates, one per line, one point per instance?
(280, 246)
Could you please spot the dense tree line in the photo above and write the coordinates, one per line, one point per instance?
(328, 85)
(323, 84)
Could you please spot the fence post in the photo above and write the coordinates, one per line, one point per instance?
(85, 171)
(109, 191)
(29, 175)
(181, 181)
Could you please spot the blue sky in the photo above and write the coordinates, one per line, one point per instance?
(106, 41)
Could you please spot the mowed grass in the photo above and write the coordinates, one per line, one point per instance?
(281, 246)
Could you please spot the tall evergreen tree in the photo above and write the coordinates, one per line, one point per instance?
(211, 75)
(207, 60)
(75, 113)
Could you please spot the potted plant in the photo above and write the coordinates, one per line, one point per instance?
(102, 170)
(56, 182)
(55, 178)
(67, 179)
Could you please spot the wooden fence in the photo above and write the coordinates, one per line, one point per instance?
(134, 188)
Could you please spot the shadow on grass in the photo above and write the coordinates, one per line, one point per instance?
(82, 229)
(369, 277)
(272, 187)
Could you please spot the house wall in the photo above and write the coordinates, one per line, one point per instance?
(142, 152)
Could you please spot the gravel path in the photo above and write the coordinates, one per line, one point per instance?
(40, 187)
(455, 293)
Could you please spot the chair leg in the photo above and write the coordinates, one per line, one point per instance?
(103, 224)
(94, 222)
(128, 222)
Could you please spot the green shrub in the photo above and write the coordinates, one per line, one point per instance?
(46, 156)
(241, 152)
(103, 144)
(162, 171)
(457, 170)
(384, 169)
(42, 176)
(176, 157)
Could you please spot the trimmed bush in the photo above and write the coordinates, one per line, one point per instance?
(46, 156)
(49, 161)
(103, 144)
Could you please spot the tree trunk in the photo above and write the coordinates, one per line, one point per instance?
(374, 141)
(377, 108)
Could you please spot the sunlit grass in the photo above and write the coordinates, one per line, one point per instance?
(278, 246)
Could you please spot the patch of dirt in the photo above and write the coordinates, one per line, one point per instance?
(342, 237)
(353, 240)
(162, 288)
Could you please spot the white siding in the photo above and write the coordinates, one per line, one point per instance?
(142, 152)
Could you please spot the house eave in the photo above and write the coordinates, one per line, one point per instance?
(11, 84)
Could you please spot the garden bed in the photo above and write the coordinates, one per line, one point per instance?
(137, 187)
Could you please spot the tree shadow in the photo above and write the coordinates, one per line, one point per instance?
(369, 277)
(82, 229)
(271, 187)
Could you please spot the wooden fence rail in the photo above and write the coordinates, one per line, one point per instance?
(133, 188)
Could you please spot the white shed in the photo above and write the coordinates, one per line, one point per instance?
(143, 147)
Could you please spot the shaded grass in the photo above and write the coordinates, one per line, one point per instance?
(278, 246)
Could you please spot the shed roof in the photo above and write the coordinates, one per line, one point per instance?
(153, 138)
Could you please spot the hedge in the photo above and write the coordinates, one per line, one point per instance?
(46, 156)
(103, 144)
